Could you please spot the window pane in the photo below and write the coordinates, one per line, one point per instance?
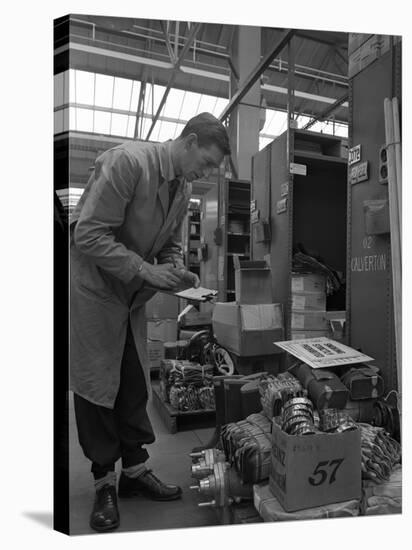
(84, 122)
(148, 99)
(84, 87)
(135, 96)
(131, 123)
(153, 97)
(276, 122)
(66, 125)
(178, 130)
(72, 118)
(66, 86)
(158, 94)
(104, 90)
(58, 89)
(119, 125)
(145, 128)
(122, 93)
(58, 122)
(166, 131)
(154, 136)
(302, 120)
(220, 105)
(102, 122)
(190, 105)
(72, 85)
(174, 103)
(341, 130)
(207, 104)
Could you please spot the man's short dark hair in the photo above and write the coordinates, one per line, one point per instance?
(209, 130)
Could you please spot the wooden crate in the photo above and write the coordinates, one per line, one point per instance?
(176, 421)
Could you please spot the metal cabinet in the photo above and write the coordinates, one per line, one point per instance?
(299, 191)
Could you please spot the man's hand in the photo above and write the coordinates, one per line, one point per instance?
(191, 279)
(164, 276)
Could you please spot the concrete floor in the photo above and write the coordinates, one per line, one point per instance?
(170, 461)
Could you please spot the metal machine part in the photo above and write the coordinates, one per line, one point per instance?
(297, 417)
(334, 420)
(205, 461)
(223, 487)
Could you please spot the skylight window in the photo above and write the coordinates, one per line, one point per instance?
(102, 122)
(122, 93)
(174, 103)
(104, 91)
(190, 106)
(103, 104)
(84, 88)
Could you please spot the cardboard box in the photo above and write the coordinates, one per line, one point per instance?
(309, 300)
(315, 470)
(304, 334)
(308, 282)
(162, 306)
(163, 330)
(191, 317)
(155, 353)
(309, 320)
(373, 48)
(270, 509)
(355, 41)
(248, 330)
(253, 282)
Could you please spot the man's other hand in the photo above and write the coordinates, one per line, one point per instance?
(164, 276)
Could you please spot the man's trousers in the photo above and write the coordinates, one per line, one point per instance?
(106, 435)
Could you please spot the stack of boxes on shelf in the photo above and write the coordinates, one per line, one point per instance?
(161, 314)
(309, 317)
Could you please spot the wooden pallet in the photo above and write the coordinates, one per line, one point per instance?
(181, 420)
(245, 513)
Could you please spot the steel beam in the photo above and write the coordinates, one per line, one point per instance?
(291, 83)
(233, 69)
(255, 74)
(301, 34)
(140, 110)
(326, 112)
(168, 45)
(193, 31)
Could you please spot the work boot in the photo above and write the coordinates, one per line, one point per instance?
(148, 485)
(105, 514)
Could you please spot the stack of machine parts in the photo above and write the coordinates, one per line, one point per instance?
(380, 453)
(357, 392)
(186, 385)
(276, 390)
(247, 446)
(384, 497)
(298, 417)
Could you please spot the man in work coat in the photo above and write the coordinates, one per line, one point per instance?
(129, 215)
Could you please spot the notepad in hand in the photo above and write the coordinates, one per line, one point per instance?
(197, 294)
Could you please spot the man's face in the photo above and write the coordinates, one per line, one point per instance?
(198, 162)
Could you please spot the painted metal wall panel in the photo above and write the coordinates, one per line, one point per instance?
(369, 261)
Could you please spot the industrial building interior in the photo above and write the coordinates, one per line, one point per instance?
(311, 192)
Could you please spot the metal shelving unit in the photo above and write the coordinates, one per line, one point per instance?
(234, 232)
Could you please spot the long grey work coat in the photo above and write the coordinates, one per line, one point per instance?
(122, 218)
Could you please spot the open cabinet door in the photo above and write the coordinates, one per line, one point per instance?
(208, 226)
